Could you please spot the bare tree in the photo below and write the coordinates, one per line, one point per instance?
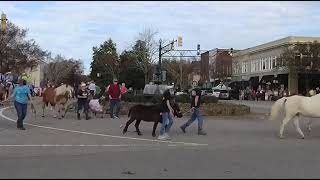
(178, 70)
(63, 70)
(148, 36)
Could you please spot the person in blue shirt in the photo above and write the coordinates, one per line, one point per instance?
(21, 95)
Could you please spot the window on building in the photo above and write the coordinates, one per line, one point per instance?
(267, 63)
(253, 66)
(263, 64)
(274, 62)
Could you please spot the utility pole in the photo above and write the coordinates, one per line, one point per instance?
(180, 70)
(158, 74)
(159, 69)
(3, 31)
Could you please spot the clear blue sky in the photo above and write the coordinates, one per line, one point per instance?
(73, 28)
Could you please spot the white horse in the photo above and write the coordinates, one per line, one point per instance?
(294, 107)
(57, 96)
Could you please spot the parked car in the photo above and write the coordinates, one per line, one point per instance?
(209, 93)
(216, 92)
(234, 94)
(224, 94)
(180, 93)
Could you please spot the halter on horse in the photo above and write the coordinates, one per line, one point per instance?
(57, 96)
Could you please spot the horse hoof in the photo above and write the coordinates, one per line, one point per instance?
(42, 116)
(302, 137)
(123, 132)
(140, 134)
(153, 135)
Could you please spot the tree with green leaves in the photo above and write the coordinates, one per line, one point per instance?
(105, 64)
(16, 52)
(129, 73)
(301, 58)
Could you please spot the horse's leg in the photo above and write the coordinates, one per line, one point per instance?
(59, 111)
(54, 111)
(296, 124)
(284, 122)
(43, 108)
(137, 127)
(154, 128)
(125, 129)
(309, 125)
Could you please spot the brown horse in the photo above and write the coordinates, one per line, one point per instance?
(148, 113)
(56, 96)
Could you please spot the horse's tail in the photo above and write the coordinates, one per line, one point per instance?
(276, 108)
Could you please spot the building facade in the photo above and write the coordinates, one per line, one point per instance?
(216, 65)
(36, 74)
(195, 74)
(258, 64)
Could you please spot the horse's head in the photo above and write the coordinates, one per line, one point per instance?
(176, 109)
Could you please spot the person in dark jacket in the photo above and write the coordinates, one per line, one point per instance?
(167, 116)
(196, 114)
(83, 101)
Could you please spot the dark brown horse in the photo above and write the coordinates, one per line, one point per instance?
(148, 113)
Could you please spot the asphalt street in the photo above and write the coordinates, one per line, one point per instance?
(235, 147)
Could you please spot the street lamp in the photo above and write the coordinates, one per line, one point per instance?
(4, 23)
(3, 31)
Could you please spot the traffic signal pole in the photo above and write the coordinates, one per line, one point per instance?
(162, 52)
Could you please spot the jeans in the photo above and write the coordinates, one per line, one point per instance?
(114, 104)
(195, 115)
(167, 121)
(83, 103)
(21, 112)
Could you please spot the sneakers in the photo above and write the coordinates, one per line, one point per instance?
(116, 117)
(162, 137)
(22, 128)
(165, 136)
(201, 132)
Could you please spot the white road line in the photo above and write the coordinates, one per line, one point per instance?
(78, 145)
(102, 135)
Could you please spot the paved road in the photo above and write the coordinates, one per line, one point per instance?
(236, 147)
(255, 106)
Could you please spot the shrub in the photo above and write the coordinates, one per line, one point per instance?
(184, 98)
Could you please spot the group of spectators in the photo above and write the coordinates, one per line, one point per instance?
(90, 91)
(263, 94)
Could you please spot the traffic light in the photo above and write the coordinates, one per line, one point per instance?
(198, 49)
(3, 23)
(180, 41)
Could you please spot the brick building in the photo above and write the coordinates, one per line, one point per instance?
(216, 65)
